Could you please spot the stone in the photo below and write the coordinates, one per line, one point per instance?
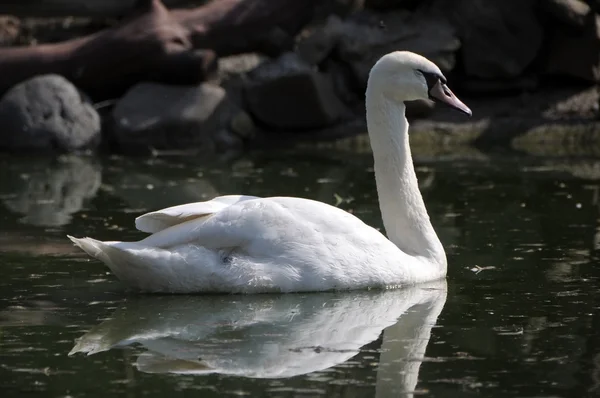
(10, 29)
(500, 39)
(47, 113)
(571, 13)
(288, 94)
(228, 141)
(47, 192)
(340, 8)
(594, 4)
(575, 54)
(500, 86)
(319, 43)
(236, 65)
(369, 36)
(288, 63)
(159, 116)
(392, 4)
(243, 126)
(233, 71)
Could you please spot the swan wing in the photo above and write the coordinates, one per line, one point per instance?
(261, 245)
(166, 218)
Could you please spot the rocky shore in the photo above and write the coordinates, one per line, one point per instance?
(224, 75)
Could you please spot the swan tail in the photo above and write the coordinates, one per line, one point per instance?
(88, 245)
(113, 257)
(141, 267)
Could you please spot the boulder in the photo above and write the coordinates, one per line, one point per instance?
(573, 14)
(47, 113)
(341, 8)
(499, 38)
(10, 29)
(289, 94)
(595, 4)
(318, 43)
(233, 66)
(392, 4)
(364, 39)
(575, 54)
(162, 116)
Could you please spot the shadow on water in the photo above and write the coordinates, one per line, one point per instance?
(521, 317)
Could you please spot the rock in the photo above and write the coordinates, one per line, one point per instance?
(392, 4)
(499, 38)
(243, 125)
(595, 4)
(340, 8)
(371, 35)
(47, 113)
(320, 42)
(236, 65)
(48, 193)
(286, 64)
(571, 13)
(232, 74)
(575, 55)
(10, 29)
(161, 116)
(228, 141)
(500, 86)
(288, 94)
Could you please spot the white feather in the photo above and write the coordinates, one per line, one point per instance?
(165, 218)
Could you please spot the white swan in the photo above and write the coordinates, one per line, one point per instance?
(245, 244)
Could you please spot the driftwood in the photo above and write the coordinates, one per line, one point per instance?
(178, 46)
(81, 8)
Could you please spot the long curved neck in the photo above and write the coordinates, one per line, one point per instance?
(404, 214)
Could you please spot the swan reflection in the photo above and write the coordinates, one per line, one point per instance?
(270, 336)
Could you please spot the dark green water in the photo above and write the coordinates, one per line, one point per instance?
(520, 316)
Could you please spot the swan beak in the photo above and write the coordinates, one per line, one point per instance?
(441, 93)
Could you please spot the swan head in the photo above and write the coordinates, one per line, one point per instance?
(405, 76)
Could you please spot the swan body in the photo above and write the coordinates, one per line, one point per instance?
(246, 244)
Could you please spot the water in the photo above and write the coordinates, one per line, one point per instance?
(518, 315)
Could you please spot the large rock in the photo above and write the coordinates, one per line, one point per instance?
(595, 4)
(391, 4)
(499, 38)
(289, 94)
(570, 13)
(575, 54)
(10, 29)
(47, 113)
(364, 39)
(234, 66)
(162, 116)
(318, 43)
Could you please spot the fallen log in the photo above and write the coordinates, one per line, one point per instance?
(176, 47)
(80, 8)
(237, 26)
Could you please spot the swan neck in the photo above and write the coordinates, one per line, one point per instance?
(405, 217)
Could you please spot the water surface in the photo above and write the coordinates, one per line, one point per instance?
(517, 317)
